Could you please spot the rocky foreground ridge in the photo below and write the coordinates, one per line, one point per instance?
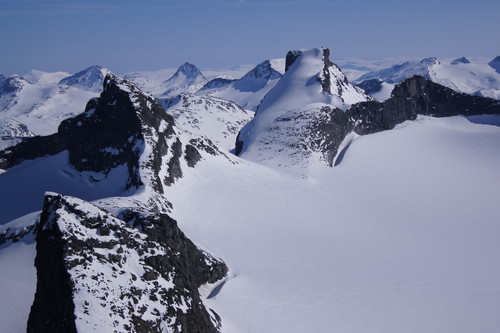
(128, 269)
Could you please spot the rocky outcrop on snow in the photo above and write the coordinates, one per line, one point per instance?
(122, 127)
(316, 131)
(287, 119)
(371, 86)
(91, 78)
(98, 273)
(495, 64)
(123, 266)
(187, 79)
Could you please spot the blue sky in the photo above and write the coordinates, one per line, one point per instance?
(126, 35)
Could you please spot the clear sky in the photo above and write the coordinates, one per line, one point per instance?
(126, 35)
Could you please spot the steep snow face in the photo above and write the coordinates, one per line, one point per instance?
(460, 75)
(204, 116)
(187, 79)
(90, 78)
(249, 90)
(310, 85)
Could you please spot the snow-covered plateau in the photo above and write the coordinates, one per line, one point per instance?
(281, 199)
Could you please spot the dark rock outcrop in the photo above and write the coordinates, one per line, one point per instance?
(324, 129)
(134, 274)
(113, 131)
(291, 56)
(371, 86)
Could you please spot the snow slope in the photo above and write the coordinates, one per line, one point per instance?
(472, 78)
(187, 79)
(204, 116)
(401, 236)
(286, 120)
(42, 103)
(249, 90)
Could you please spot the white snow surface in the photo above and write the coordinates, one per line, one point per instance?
(42, 105)
(17, 277)
(384, 93)
(401, 236)
(217, 119)
(249, 90)
(475, 77)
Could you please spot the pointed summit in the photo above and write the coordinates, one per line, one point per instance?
(462, 60)
(286, 127)
(187, 79)
(90, 78)
(495, 64)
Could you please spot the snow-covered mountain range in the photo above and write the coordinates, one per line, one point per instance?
(459, 74)
(286, 200)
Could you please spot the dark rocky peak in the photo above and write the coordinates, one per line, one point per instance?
(12, 84)
(90, 78)
(327, 77)
(495, 64)
(190, 71)
(116, 129)
(371, 86)
(462, 60)
(137, 273)
(291, 56)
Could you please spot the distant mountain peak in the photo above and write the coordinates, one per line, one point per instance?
(462, 60)
(91, 78)
(495, 64)
(187, 79)
(189, 70)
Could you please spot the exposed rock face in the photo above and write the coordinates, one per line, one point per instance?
(131, 270)
(291, 56)
(418, 96)
(371, 86)
(98, 273)
(122, 127)
(287, 120)
(300, 134)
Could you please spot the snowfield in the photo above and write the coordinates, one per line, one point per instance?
(401, 236)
